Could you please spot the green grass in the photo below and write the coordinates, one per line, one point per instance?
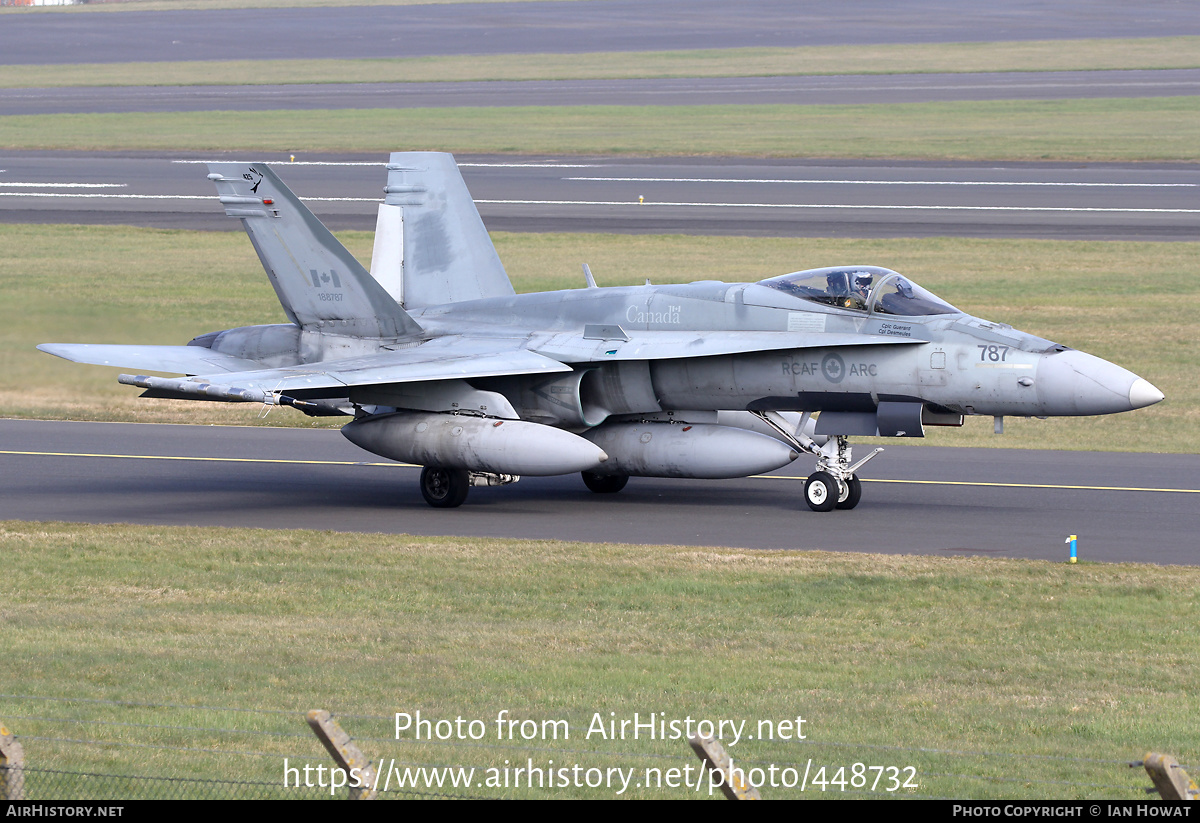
(994, 678)
(1144, 53)
(1131, 303)
(1075, 130)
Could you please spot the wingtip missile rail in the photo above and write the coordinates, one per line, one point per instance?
(211, 391)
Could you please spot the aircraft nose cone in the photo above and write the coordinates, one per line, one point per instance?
(1143, 393)
(1076, 383)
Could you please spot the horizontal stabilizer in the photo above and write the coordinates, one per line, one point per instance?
(171, 359)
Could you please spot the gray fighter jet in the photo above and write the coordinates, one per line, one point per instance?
(442, 365)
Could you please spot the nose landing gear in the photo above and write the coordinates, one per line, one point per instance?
(823, 492)
(834, 485)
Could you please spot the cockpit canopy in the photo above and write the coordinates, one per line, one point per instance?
(862, 288)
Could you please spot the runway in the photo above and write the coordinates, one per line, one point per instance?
(789, 197)
(351, 32)
(927, 500)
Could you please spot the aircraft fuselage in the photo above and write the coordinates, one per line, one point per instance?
(959, 363)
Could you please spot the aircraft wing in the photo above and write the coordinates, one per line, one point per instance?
(174, 359)
(443, 358)
(603, 343)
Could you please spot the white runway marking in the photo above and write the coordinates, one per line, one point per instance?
(811, 206)
(879, 182)
(65, 185)
(107, 196)
(211, 197)
(834, 206)
(383, 165)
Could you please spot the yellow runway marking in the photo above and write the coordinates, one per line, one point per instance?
(756, 477)
(210, 459)
(1005, 485)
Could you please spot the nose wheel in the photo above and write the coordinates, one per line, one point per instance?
(823, 492)
(851, 493)
(834, 485)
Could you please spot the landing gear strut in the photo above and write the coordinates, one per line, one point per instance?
(834, 485)
(833, 463)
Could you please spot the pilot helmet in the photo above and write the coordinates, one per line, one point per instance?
(862, 281)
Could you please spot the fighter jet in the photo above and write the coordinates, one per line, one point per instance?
(440, 364)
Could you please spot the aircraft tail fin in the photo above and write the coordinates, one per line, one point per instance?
(319, 283)
(446, 255)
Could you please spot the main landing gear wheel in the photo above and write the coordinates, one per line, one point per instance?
(851, 493)
(821, 492)
(444, 488)
(605, 483)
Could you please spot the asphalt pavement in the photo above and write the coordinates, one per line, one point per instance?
(1125, 507)
(782, 197)
(351, 32)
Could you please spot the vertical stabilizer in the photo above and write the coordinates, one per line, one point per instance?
(448, 256)
(319, 283)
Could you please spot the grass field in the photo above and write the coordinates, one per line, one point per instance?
(992, 678)
(1146, 53)
(1077, 130)
(1131, 303)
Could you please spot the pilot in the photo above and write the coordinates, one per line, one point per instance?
(862, 285)
(859, 291)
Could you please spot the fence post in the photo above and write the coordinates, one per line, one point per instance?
(733, 781)
(12, 766)
(1171, 781)
(345, 753)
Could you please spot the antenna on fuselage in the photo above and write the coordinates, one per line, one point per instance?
(587, 274)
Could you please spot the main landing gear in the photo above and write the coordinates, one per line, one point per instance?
(835, 484)
(605, 483)
(447, 488)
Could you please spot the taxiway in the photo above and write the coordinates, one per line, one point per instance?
(1124, 507)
